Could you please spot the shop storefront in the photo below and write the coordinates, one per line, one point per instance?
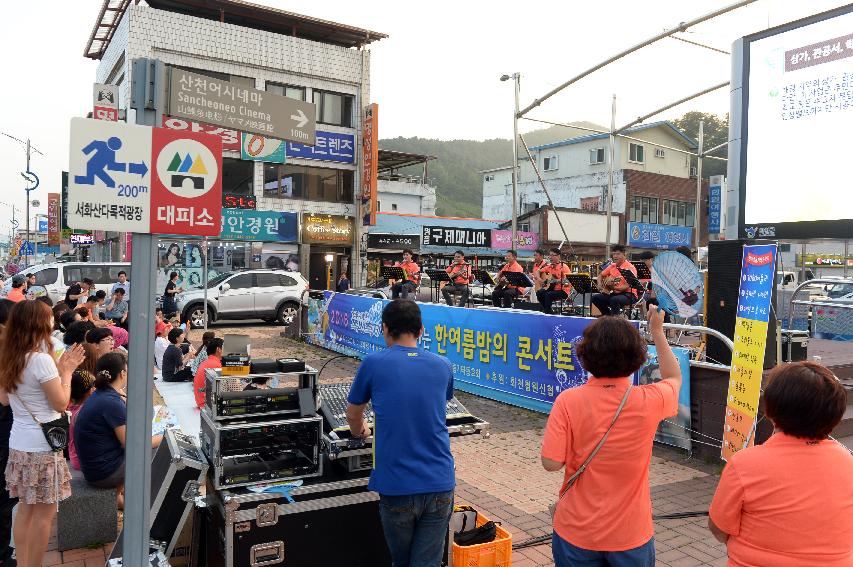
(327, 241)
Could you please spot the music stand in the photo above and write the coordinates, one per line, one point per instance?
(392, 273)
(435, 279)
(485, 278)
(518, 279)
(584, 285)
(643, 272)
(632, 280)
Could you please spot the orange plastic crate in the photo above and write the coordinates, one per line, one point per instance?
(497, 553)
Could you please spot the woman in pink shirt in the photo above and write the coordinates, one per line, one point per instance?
(789, 502)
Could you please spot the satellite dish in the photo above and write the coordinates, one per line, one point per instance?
(678, 284)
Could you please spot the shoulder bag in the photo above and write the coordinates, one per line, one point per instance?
(573, 479)
(55, 432)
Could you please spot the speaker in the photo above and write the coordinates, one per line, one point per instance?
(527, 306)
(724, 265)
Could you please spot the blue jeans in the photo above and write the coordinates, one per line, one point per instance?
(567, 555)
(416, 527)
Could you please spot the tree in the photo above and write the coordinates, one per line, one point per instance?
(716, 132)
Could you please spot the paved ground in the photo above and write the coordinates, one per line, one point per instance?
(502, 477)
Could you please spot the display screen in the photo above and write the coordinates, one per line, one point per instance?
(799, 115)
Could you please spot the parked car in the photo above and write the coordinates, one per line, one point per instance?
(271, 295)
(56, 277)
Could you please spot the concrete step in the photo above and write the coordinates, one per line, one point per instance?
(846, 441)
(845, 428)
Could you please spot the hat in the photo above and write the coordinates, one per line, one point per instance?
(19, 279)
(161, 328)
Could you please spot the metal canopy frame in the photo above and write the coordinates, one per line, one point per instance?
(112, 11)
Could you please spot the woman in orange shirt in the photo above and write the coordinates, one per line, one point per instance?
(789, 502)
(605, 518)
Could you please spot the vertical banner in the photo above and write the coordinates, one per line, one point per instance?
(370, 163)
(753, 308)
(53, 200)
(715, 204)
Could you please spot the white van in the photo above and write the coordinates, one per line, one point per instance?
(57, 277)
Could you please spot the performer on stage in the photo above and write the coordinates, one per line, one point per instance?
(413, 276)
(617, 293)
(538, 263)
(504, 294)
(551, 281)
(460, 277)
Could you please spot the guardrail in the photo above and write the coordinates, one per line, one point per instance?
(794, 301)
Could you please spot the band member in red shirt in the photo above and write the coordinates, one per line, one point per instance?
(505, 293)
(412, 273)
(538, 263)
(552, 281)
(460, 277)
(617, 293)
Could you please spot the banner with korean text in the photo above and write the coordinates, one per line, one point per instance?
(750, 340)
(518, 357)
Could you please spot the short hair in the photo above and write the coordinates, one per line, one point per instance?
(540, 251)
(92, 299)
(109, 368)
(119, 290)
(214, 345)
(172, 275)
(402, 316)
(804, 399)
(685, 250)
(556, 251)
(611, 348)
(617, 248)
(97, 335)
(460, 252)
(101, 294)
(647, 255)
(88, 281)
(76, 333)
(174, 334)
(408, 251)
(121, 273)
(83, 311)
(67, 319)
(29, 275)
(45, 299)
(513, 252)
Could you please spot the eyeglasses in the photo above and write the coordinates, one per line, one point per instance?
(111, 339)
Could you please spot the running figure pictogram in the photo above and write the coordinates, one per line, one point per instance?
(103, 159)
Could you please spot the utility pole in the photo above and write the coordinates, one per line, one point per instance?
(698, 207)
(516, 77)
(609, 198)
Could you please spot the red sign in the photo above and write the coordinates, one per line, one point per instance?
(239, 201)
(186, 183)
(105, 113)
(53, 229)
(230, 138)
(370, 163)
(759, 259)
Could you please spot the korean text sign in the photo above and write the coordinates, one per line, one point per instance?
(660, 236)
(330, 146)
(53, 200)
(753, 309)
(260, 226)
(129, 178)
(521, 357)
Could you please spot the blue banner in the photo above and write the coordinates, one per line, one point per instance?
(715, 206)
(259, 226)
(660, 236)
(518, 357)
(756, 286)
(330, 146)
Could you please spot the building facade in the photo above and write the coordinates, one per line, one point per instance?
(274, 214)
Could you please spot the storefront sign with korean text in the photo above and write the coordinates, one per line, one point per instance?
(660, 236)
(394, 241)
(254, 147)
(502, 240)
(230, 137)
(128, 178)
(326, 229)
(369, 164)
(53, 228)
(330, 146)
(450, 236)
(259, 226)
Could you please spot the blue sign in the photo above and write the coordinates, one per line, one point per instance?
(26, 249)
(757, 278)
(42, 225)
(330, 146)
(517, 357)
(660, 236)
(715, 207)
(260, 226)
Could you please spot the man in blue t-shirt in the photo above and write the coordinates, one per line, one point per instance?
(413, 467)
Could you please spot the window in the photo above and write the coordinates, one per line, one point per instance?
(488, 178)
(46, 276)
(596, 156)
(393, 206)
(524, 227)
(286, 281)
(378, 206)
(635, 153)
(644, 209)
(550, 163)
(238, 176)
(297, 93)
(659, 152)
(242, 281)
(334, 108)
(268, 279)
(590, 203)
(77, 273)
(311, 183)
(679, 213)
(114, 270)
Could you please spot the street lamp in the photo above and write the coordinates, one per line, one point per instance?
(516, 78)
(329, 258)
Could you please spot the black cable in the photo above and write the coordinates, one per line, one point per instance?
(330, 360)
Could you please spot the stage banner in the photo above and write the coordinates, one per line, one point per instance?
(675, 430)
(518, 357)
(753, 308)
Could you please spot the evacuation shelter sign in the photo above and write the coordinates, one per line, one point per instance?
(129, 178)
(757, 278)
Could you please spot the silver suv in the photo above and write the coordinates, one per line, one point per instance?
(271, 295)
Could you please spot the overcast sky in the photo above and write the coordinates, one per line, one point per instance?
(436, 76)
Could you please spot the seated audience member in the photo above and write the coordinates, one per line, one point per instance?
(789, 501)
(214, 360)
(201, 352)
(605, 517)
(100, 426)
(67, 318)
(82, 385)
(116, 309)
(161, 343)
(103, 340)
(77, 331)
(16, 294)
(174, 360)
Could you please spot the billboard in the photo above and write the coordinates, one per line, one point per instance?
(791, 112)
(659, 236)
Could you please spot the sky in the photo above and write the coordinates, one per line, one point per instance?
(436, 76)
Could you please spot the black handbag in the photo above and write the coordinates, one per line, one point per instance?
(55, 432)
(481, 534)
